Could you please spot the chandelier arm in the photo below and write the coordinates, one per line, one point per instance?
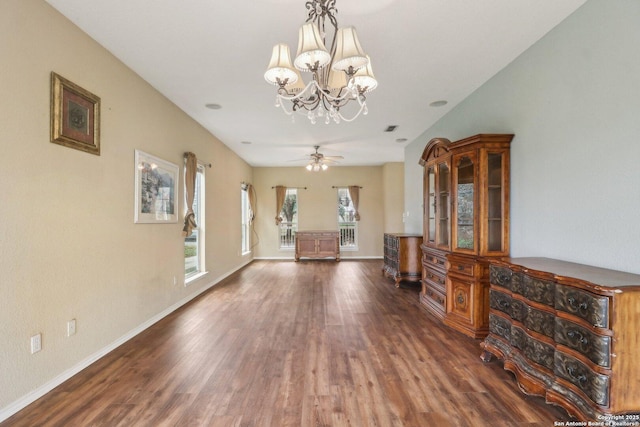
(302, 99)
(331, 13)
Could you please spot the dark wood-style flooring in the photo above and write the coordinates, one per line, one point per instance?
(314, 343)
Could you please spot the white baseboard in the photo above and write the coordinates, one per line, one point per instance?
(36, 394)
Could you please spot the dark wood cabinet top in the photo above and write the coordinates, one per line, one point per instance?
(597, 276)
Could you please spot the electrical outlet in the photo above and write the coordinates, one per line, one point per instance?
(71, 327)
(36, 343)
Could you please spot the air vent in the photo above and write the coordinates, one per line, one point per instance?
(391, 128)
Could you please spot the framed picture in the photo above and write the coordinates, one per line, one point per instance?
(75, 116)
(156, 189)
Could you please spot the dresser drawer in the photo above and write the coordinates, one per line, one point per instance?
(538, 290)
(434, 260)
(435, 298)
(500, 301)
(435, 278)
(539, 352)
(594, 385)
(500, 327)
(508, 305)
(519, 310)
(596, 348)
(590, 307)
(540, 321)
(506, 278)
(459, 266)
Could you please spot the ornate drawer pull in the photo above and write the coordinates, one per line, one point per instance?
(504, 278)
(504, 304)
(578, 335)
(572, 373)
(574, 304)
(461, 268)
(460, 299)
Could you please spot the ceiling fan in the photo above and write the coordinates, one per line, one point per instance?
(318, 161)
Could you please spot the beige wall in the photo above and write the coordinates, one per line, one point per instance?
(68, 244)
(393, 197)
(317, 207)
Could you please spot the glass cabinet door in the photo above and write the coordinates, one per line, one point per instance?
(496, 202)
(444, 191)
(465, 188)
(430, 209)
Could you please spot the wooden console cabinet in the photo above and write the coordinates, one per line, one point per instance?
(466, 223)
(402, 257)
(570, 333)
(317, 244)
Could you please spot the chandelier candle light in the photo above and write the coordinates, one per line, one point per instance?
(341, 77)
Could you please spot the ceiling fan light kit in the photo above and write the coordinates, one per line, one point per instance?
(341, 76)
(318, 161)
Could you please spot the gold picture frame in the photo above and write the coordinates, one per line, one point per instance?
(75, 116)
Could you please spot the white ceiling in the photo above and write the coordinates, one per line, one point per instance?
(198, 52)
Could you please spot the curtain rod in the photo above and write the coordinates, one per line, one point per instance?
(344, 186)
(199, 161)
(299, 188)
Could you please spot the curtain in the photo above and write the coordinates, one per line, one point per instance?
(281, 191)
(190, 171)
(251, 193)
(354, 193)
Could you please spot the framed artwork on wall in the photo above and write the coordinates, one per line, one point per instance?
(75, 116)
(156, 189)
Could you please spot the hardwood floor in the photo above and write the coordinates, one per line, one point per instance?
(313, 343)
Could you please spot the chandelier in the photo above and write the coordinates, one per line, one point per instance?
(340, 76)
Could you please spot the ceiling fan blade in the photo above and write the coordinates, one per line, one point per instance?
(333, 157)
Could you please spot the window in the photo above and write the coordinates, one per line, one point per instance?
(289, 215)
(194, 244)
(246, 219)
(347, 224)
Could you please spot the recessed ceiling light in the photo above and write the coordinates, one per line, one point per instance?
(391, 128)
(245, 142)
(213, 106)
(440, 103)
(401, 140)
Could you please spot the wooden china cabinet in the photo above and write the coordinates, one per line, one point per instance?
(466, 223)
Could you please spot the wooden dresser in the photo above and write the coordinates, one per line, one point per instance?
(317, 244)
(570, 333)
(402, 257)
